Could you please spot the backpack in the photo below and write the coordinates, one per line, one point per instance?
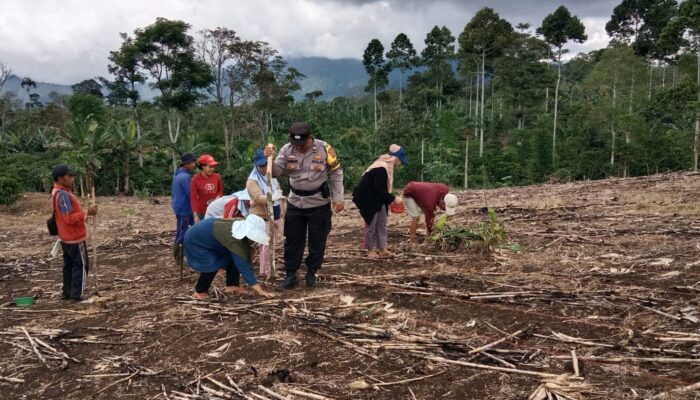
(51, 225)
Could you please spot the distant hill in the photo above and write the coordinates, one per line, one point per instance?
(334, 77)
(14, 84)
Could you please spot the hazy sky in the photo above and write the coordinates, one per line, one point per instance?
(69, 40)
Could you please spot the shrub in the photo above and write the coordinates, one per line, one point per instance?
(10, 190)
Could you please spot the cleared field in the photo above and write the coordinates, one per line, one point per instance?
(606, 287)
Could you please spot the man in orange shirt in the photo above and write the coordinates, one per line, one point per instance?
(70, 220)
(205, 186)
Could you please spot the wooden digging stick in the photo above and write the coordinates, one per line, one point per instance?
(93, 238)
(271, 216)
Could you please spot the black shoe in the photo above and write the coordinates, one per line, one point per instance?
(311, 280)
(290, 282)
(65, 297)
(76, 299)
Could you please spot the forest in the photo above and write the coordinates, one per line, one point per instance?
(498, 104)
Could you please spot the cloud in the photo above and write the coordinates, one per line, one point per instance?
(70, 40)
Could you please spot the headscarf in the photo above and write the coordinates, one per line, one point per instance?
(387, 161)
(255, 175)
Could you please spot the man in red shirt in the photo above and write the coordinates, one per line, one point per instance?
(205, 186)
(426, 197)
(70, 220)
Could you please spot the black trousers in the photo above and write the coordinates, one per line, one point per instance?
(300, 223)
(233, 278)
(75, 269)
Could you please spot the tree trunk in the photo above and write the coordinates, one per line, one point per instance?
(696, 141)
(137, 121)
(422, 157)
(127, 187)
(612, 146)
(481, 117)
(546, 100)
(476, 107)
(375, 106)
(470, 95)
(629, 110)
(556, 110)
(651, 70)
(400, 88)
(224, 126)
(174, 132)
(466, 160)
(663, 75)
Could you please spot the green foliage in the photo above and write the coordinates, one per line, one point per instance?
(609, 122)
(452, 238)
(10, 190)
(492, 232)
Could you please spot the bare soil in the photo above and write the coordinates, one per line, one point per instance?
(609, 269)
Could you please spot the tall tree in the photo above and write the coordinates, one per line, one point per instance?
(125, 65)
(241, 73)
(168, 54)
(274, 82)
(28, 84)
(522, 76)
(378, 70)
(402, 56)
(641, 23)
(5, 72)
(486, 35)
(217, 47)
(683, 33)
(558, 29)
(438, 52)
(88, 86)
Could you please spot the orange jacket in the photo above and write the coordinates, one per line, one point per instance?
(70, 219)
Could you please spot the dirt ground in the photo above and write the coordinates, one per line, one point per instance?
(600, 276)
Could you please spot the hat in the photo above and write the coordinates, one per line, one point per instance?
(61, 170)
(187, 158)
(206, 159)
(298, 133)
(450, 204)
(253, 227)
(399, 152)
(259, 158)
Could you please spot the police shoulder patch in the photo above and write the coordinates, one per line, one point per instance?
(332, 158)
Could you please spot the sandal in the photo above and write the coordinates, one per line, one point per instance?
(200, 296)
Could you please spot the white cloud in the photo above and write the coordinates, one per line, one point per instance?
(67, 41)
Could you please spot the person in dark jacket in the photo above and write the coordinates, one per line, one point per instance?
(373, 195)
(181, 202)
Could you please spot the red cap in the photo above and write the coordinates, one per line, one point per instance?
(206, 159)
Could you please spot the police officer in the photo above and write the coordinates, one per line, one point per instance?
(316, 181)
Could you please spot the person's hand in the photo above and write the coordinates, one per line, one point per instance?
(398, 200)
(278, 195)
(269, 151)
(261, 292)
(196, 218)
(338, 207)
(92, 210)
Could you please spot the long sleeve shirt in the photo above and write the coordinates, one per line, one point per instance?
(308, 171)
(180, 194)
(70, 219)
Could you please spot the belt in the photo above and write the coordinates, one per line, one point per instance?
(306, 193)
